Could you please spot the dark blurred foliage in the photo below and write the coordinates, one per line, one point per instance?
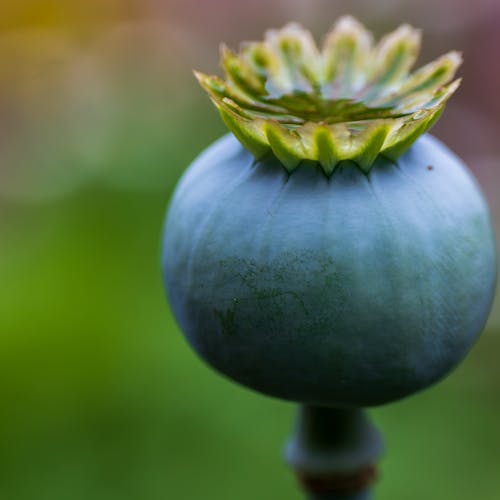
(101, 397)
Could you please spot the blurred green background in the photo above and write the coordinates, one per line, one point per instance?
(100, 396)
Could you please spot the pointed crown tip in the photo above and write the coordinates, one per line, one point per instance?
(350, 99)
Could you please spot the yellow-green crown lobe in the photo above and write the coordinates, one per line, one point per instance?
(349, 99)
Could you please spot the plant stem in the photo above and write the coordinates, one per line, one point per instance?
(333, 452)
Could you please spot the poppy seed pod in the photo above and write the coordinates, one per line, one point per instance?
(329, 250)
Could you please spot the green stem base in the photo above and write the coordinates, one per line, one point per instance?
(334, 452)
